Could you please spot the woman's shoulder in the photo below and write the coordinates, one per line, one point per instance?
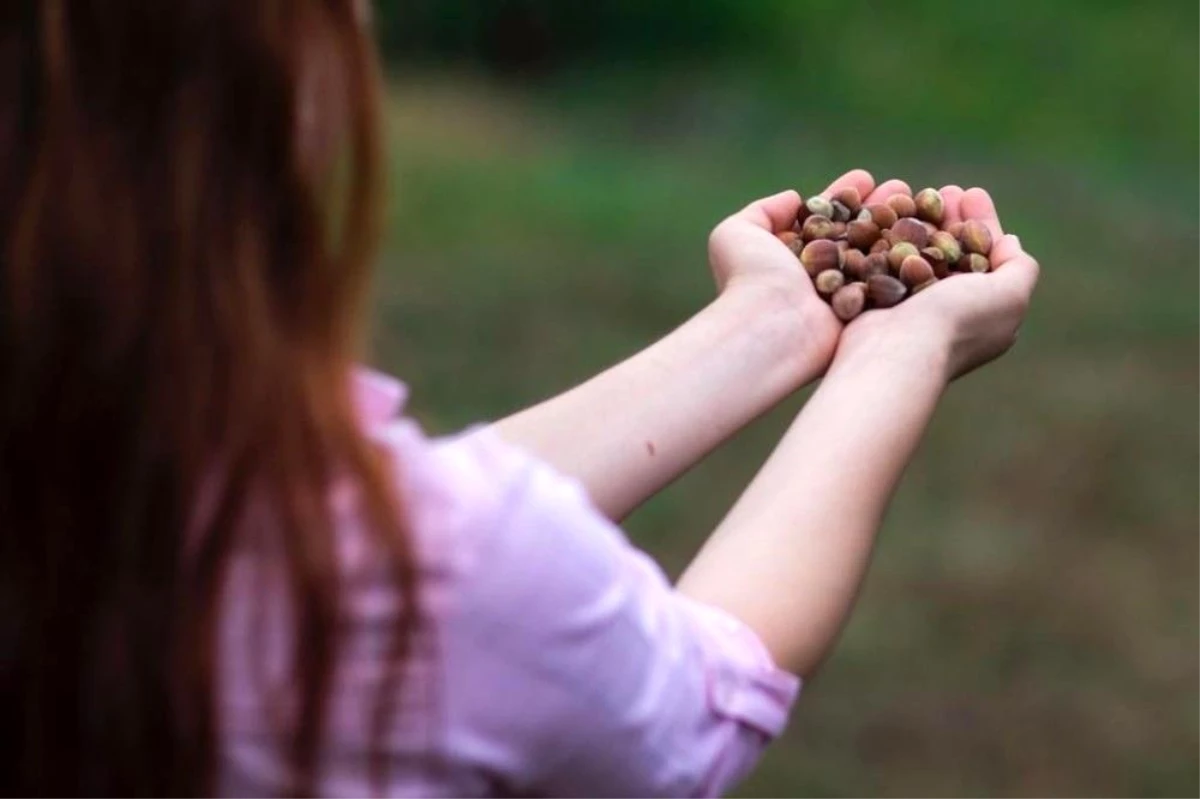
(470, 496)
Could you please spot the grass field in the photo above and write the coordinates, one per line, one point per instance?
(1030, 623)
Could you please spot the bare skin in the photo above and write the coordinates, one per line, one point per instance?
(789, 557)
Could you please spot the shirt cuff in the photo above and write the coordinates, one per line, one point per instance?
(744, 684)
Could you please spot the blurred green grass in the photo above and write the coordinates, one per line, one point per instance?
(1030, 623)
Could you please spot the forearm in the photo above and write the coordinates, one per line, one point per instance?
(633, 429)
(790, 556)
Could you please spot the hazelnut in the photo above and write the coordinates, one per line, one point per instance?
(849, 301)
(976, 237)
(974, 262)
(885, 290)
(875, 264)
(850, 198)
(840, 212)
(930, 206)
(801, 214)
(882, 214)
(817, 227)
(829, 281)
(791, 239)
(883, 245)
(910, 230)
(898, 253)
(819, 206)
(937, 260)
(915, 270)
(948, 244)
(852, 263)
(862, 234)
(903, 205)
(820, 255)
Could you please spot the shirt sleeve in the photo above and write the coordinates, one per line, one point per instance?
(577, 669)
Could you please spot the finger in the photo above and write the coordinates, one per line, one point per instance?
(1016, 269)
(887, 189)
(952, 203)
(856, 179)
(1005, 249)
(977, 204)
(775, 213)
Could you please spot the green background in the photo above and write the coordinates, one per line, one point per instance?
(1029, 626)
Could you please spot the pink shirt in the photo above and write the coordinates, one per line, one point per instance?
(563, 662)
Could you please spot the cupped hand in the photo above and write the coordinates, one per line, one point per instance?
(746, 255)
(966, 320)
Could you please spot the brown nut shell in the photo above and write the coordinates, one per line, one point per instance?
(875, 264)
(915, 270)
(819, 206)
(850, 198)
(862, 234)
(898, 253)
(881, 246)
(820, 255)
(976, 237)
(885, 291)
(817, 227)
(930, 206)
(849, 301)
(974, 262)
(903, 205)
(801, 214)
(948, 244)
(852, 264)
(925, 285)
(791, 239)
(882, 214)
(829, 281)
(937, 260)
(911, 230)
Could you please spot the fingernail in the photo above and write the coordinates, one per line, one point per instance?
(1017, 239)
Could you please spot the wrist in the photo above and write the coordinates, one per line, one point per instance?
(923, 349)
(779, 320)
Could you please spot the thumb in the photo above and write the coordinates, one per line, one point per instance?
(774, 214)
(1016, 269)
(754, 227)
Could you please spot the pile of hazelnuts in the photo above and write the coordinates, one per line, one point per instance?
(876, 256)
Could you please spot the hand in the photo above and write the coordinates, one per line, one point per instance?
(965, 321)
(746, 256)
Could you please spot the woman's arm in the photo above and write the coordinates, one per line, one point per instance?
(633, 429)
(790, 556)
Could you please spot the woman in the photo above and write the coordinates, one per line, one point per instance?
(232, 566)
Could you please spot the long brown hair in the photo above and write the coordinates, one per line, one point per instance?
(188, 204)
